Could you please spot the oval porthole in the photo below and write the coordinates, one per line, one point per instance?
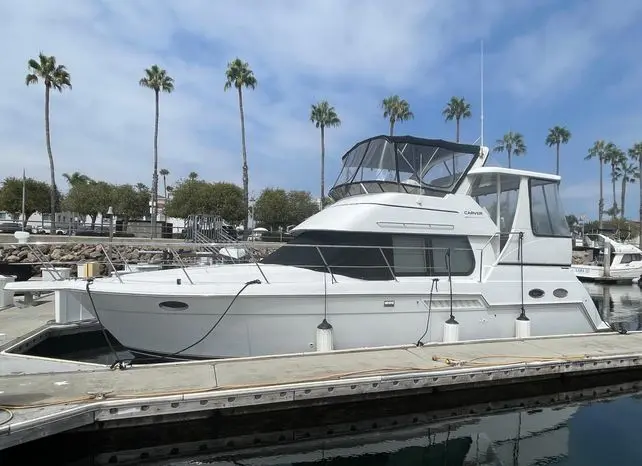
(536, 293)
(173, 305)
(560, 293)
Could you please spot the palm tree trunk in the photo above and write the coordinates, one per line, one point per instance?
(245, 174)
(509, 154)
(557, 169)
(601, 202)
(614, 216)
(392, 126)
(322, 166)
(457, 134)
(165, 187)
(155, 175)
(640, 210)
(52, 172)
(623, 197)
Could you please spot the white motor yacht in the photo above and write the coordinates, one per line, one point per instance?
(423, 244)
(625, 260)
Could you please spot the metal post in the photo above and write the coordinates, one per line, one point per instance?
(110, 213)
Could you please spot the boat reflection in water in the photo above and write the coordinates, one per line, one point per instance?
(620, 305)
(525, 432)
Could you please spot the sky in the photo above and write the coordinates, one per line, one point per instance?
(546, 63)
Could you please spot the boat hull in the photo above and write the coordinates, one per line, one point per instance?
(596, 273)
(270, 319)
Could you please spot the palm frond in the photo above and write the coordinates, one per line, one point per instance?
(324, 115)
(238, 74)
(457, 108)
(45, 69)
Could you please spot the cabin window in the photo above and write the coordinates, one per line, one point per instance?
(628, 258)
(371, 256)
(409, 255)
(353, 254)
(462, 259)
(547, 213)
(485, 191)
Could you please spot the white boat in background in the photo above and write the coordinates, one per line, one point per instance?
(423, 244)
(624, 260)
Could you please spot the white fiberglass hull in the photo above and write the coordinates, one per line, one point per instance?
(282, 316)
(596, 272)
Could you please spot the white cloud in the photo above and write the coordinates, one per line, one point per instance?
(352, 53)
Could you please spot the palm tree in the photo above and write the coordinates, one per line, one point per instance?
(324, 116)
(164, 172)
(396, 109)
(557, 135)
(76, 178)
(635, 153)
(158, 80)
(615, 157)
(192, 176)
(456, 109)
(628, 173)
(239, 75)
(600, 150)
(57, 77)
(512, 143)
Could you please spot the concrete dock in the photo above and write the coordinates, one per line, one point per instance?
(40, 397)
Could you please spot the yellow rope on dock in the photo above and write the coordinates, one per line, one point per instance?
(453, 362)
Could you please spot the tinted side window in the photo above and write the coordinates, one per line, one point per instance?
(371, 256)
(416, 255)
(547, 213)
(353, 254)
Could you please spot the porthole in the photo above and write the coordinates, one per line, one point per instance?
(560, 293)
(173, 305)
(536, 293)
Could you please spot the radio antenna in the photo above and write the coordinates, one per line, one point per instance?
(481, 117)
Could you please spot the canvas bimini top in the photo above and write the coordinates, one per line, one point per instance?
(431, 167)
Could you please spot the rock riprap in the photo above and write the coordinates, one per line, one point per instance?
(69, 255)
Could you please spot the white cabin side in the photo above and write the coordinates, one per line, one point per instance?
(415, 194)
(524, 202)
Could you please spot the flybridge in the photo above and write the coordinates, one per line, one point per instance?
(406, 164)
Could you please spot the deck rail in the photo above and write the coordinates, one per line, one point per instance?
(339, 261)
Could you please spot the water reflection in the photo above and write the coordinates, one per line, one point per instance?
(587, 433)
(620, 305)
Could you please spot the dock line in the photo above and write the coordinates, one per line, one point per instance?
(522, 359)
(9, 417)
(121, 365)
(256, 281)
(125, 363)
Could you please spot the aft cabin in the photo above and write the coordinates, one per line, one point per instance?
(527, 202)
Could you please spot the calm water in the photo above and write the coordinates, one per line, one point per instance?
(580, 427)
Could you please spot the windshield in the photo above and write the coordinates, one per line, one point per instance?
(404, 164)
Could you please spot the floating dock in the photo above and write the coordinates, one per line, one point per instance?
(41, 397)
